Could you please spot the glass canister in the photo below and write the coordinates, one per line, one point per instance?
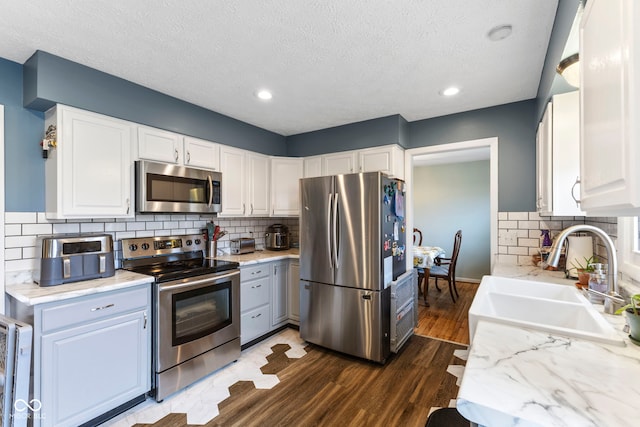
(598, 282)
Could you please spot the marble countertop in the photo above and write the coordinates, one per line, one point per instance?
(261, 256)
(521, 377)
(32, 294)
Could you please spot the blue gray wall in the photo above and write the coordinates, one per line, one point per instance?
(354, 136)
(50, 79)
(24, 167)
(565, 15)
(514, 125)
(452, 197)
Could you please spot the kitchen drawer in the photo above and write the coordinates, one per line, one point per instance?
(254, 293)
(255, 272)
(254, 323)
(87, 309)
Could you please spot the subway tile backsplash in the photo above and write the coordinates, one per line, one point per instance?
(23, 228)
(519, 236)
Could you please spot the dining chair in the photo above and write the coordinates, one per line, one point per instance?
(445, 268)
(417, 234)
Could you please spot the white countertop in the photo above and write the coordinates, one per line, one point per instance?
(32, 294)
(262, 256)
(521, 377)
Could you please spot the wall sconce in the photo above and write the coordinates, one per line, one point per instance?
(570, 70)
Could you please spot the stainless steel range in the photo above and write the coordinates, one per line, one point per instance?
(196, 308)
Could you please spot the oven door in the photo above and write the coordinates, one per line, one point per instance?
(195, 315)
(170, 188)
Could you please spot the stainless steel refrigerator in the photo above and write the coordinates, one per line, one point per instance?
(352, 243)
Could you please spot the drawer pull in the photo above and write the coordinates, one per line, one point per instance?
(257, 272)
(256, 316)
(103, 307)
(257, 286)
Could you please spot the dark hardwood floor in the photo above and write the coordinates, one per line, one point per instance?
(325, 388)
(444, 319)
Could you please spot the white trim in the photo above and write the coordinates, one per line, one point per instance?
(2, 207)
(492, 144)
(628, 248)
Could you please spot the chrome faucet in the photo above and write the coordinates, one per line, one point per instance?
(612, 262)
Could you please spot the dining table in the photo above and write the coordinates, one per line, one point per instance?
(424, 257)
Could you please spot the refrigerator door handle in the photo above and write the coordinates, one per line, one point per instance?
(329, 230)
(335, 231)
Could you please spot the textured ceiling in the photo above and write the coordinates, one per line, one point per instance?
(327, 63)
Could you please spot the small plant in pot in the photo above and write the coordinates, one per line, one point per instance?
(583, 270)
(632, 311)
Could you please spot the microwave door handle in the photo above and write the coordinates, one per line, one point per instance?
(210, 191)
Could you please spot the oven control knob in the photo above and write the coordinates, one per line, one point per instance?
(197, 241)
(189, 242)
(145, 246)
(133, 247)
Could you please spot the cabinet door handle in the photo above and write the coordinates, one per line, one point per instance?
(103, 307)
(128, 205)
(243, 206)
(176, 154)
(188, 157)
(251, 208)
(256, 316)
(572, 188)
(144, 326)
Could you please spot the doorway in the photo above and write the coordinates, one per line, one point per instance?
(486, 148)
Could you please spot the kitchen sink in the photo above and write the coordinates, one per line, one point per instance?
(557, 309)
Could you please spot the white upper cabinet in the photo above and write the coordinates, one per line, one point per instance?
(89, 174)
(159, 145)
(201, 154)
(558, 157)
(339, 163)
(285, 188)
(258, 177)
(609, 107)
(232, 166)
(387, 159)
(245, 182)
(312, 166)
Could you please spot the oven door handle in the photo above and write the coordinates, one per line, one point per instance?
(208, 279)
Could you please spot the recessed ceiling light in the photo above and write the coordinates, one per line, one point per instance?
(450, 91)
(264, 94)
(499, 32)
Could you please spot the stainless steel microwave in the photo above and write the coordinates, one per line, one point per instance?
(163, 187)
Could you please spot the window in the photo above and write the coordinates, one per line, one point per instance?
(629, 246)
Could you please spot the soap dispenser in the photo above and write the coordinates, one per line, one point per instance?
(597, 282)
(546, 239)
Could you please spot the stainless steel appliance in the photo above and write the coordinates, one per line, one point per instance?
(243, 245)
(352, 242)
(277, 237)
(73, 257)
(196, 308)
(162, 187)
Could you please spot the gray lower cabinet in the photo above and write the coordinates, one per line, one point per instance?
(255, 288)
(91, 354)
(264, 298)
(294, 291)
(279, 293)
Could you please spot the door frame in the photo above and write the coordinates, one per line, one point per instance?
(2, 208)
(457, 147)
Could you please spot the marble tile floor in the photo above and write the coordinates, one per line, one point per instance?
(200, 400)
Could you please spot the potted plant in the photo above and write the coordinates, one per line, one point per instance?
(632, 311)
(583, 271)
